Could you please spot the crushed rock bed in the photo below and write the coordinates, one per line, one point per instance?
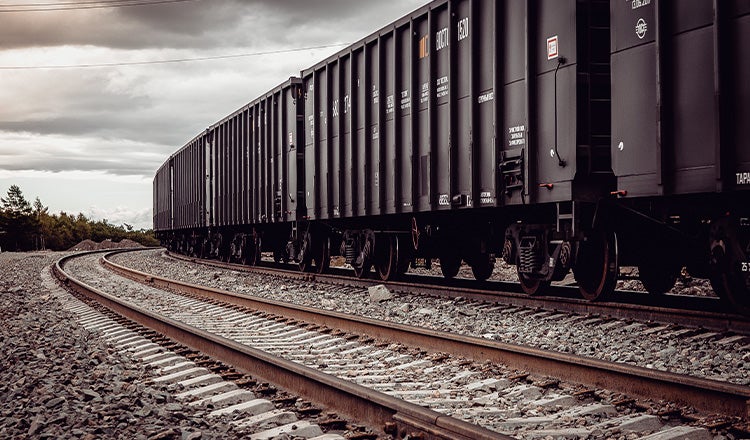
(685, 285)
(58, 381)
(90, 245)
(714, 356)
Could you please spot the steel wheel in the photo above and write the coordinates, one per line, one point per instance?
(387, 264)
(254, 254)
(483, 266)
(363, 263)
(730, 251)
(280, 255)
(657, 278)
(449, 265)
(322, 255)
(532, 286)
(596, 266)
(305, 253)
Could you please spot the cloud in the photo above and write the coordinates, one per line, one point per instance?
(123, 122)
(199, 24)
(120, 215)
(57, 154)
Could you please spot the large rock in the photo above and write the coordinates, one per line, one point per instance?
(379, 293)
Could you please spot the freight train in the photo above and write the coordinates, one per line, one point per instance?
(558, 135)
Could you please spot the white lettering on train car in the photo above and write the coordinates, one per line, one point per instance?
(486, 97)
(405, 99)
(743, 178)
(442, 86)
(516, 135)
(463, 28)
(390, 104)
(635, 4)
(441, 39)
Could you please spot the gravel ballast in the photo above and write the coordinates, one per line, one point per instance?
(684, 351)
(57, 380)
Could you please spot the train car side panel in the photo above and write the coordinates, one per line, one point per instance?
(689, 62)
(404, 93)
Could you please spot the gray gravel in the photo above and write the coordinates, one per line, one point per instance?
(59, 381)
(697, 353)
(477, 392)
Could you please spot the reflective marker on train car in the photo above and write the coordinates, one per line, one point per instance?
(552, 47)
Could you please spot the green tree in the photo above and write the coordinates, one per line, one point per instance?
(17, 222)
(25, 226)
(41, 214)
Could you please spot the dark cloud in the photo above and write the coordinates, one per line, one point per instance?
(105, 131)
(180, 25)
(84, 162)
(199, 25)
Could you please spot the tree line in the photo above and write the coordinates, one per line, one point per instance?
(28, 226)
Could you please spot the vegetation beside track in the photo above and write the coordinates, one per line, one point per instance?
(28, 226)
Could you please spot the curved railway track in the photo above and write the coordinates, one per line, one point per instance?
(394, 416)
(708, 395)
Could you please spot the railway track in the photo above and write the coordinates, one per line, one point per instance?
(390, 414)
(723, 398)
(704, 312)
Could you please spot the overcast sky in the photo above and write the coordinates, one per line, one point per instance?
(89, 139)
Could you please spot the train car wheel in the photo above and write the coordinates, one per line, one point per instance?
(254, 253)
(322, 256)
(596, 266)
(362, 271)
(483, 266)
(657, 278)
(280, 255)
(532, 286)
(387, 264)
(730, 250)
(363, 262)
(305, 253)
(449, 265)
(243, 258)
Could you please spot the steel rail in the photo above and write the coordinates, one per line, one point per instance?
(718, 318)
(394, 416)
(705, 394)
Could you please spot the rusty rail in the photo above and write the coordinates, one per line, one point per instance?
(705, 394)
(392, 415)
(708, 313)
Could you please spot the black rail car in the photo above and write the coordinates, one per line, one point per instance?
(680, 149)
(236, 183)
(558, 134)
